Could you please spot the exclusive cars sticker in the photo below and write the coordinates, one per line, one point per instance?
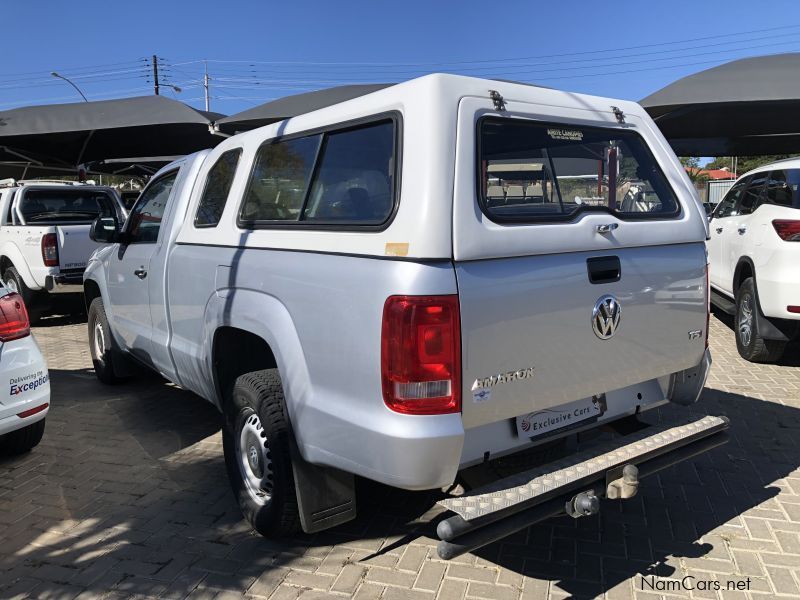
(552, 419)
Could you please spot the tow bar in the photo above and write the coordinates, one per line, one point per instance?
(573, 485)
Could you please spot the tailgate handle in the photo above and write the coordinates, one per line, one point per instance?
(603, 269)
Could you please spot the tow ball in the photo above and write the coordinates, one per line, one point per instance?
(621, 484)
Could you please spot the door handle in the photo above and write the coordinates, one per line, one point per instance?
(719, 229)
(742, 230)
(606, 227)
(140, 273)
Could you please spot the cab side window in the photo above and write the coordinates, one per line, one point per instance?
(727, 206)
(218, 186)
(144, 221)
(752, 196)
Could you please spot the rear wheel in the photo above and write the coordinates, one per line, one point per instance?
(33, 300)
(749, 343)
(24, 439)
(101, 343)
(256, 443)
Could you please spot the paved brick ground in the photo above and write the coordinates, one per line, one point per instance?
(127, 496)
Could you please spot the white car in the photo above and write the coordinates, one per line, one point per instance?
(25, 392)
(754, 256)
(44, 236)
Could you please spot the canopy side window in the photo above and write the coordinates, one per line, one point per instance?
(217, 188)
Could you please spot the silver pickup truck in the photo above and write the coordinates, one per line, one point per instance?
(414, 282)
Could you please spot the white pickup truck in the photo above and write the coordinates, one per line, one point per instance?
(44, 236)
(415, 282)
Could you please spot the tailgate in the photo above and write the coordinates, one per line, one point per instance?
(528, 340)
(74, 246)
(579, 249)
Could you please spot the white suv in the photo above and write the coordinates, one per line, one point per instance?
(25, 395)
(754, 258)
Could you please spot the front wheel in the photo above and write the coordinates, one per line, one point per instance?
(256, 443)
(749, 343)
(101, 343)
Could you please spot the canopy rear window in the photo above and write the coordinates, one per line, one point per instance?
(532, 171)
(65, 205)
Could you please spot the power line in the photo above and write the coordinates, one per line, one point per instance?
(506, 59)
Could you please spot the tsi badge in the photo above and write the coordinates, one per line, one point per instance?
(605, 316)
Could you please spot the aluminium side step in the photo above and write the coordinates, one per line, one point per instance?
(513, 503)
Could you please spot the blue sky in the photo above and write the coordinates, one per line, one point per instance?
(261, 50)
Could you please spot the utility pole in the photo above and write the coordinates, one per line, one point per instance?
(155, 74)
(205, 86)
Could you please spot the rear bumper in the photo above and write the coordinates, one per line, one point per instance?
(778, 292)
(71, 283)
(13, 423)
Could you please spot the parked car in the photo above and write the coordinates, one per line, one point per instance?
(44, 236)
(348, 291)
(25, 397)
(753, 252)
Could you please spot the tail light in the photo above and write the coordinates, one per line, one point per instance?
(421, 354)
(50, 250)
(788, 230)
(14, 323)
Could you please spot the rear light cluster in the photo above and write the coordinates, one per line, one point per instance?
(50, 250)
(421, 354)
(788, 230)
(14, 323)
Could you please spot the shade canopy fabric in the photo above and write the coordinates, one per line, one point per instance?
(291, 106)
(135, 167)
(76, 133)
(745, 107)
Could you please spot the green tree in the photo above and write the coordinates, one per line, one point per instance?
(692, 166)
(745, 163)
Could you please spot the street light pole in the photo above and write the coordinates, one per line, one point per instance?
(77, 89)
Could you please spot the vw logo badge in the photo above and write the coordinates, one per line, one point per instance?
(605, 316)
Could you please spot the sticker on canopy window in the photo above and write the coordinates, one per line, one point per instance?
(573, 135)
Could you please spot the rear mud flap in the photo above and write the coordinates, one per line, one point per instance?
(326, 497)
(514, 503)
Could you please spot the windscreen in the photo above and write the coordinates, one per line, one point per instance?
(533, 171)
(65, 205)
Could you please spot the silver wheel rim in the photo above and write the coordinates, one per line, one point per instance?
(11, 284)
(746, 320)
(99, 341)
(254, 460)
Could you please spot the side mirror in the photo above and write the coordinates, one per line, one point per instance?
(104, 230)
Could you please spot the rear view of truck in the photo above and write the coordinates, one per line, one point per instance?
(44, 237)
(583, 301)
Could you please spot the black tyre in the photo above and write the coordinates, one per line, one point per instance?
(33, 300)
(749, 343)
(101, 343)
(257, 455)
(22, 440)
